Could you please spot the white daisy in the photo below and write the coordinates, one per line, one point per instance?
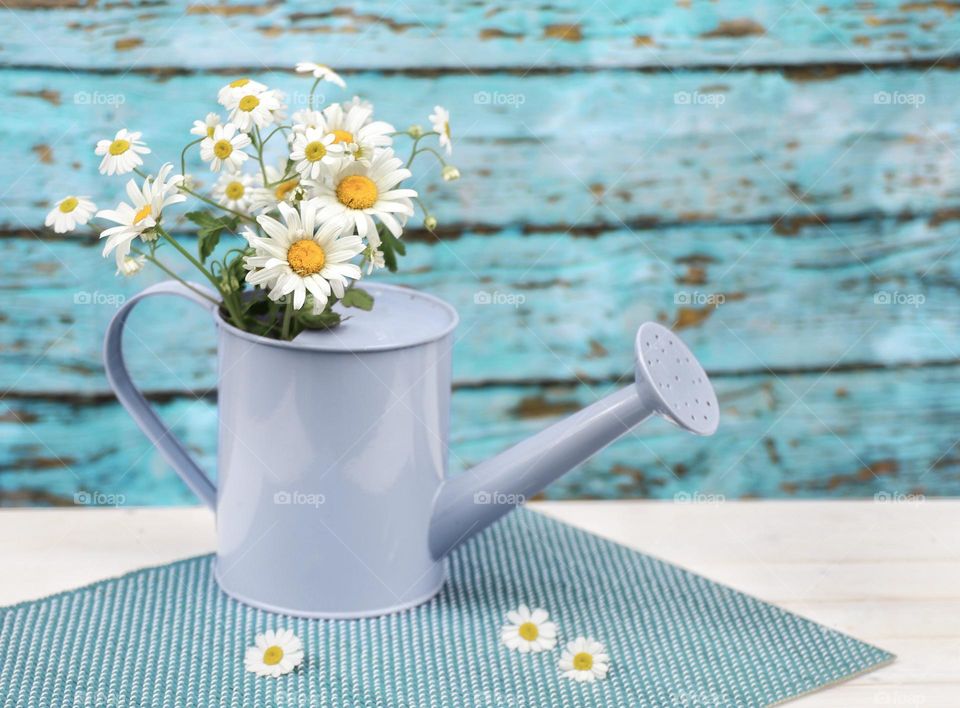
(235, 191)
(204, 128)
(140, 217)
(274, 653)
(69, 212)
(122, 154)
(301, 255)
(225, 148)
(440, 120)
(351, 124)
(528, 631)
(265, 198)
(450, 173)
(305, 119)
(321, 71)
(230, 94)
(373, 257)
(315, 153)
(260, 109)
(130, 265)
(358, 191)
(584, 659)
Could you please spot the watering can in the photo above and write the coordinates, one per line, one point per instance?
(331, 496)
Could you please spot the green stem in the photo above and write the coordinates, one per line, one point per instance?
(428, 149)
(259, 146)
(212, 203)
(313, 90)
(287, 316)
(273, 132)
(165, 269)
(183, 155)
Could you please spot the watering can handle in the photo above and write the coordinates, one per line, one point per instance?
(137, 406)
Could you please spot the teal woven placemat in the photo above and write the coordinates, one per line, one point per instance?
(167, 636)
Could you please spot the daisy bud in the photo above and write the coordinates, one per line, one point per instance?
(450, 173)
(430, 222)
(415, 131)
(130, 265)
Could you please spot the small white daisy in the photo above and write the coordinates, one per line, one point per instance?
(274, 653)
(257, 109)
(305, 119)
(265, 198)
(204, 128)
(140, 217)
(450, 173)
(352, 123)
(122, 154)
(302, 255)
(230, 94)
(373, 257)
(584, 659)
(528, 631)
(69, 212)
(315, 153)
(130, 265)
(321, 71)
(440, 120)
(358, 191)
(235, 191)
(225, 148)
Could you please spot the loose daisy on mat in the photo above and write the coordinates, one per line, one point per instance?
(584, 659)
(358, 191)
(274, 653)
(315, 153)
(69, 212)
(131, 265)
(225, 148)
(321, 71)
(440, 120)
(230, 95)
(300, 255)
(204, 128)
(140, 217)
(122, 154)
(257, 109)
(234, 190)
(528, 631)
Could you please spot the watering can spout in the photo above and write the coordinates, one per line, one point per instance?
(669, 382)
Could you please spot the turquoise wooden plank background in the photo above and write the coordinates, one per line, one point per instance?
(780, 182)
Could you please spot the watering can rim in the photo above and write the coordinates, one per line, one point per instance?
(329, 341)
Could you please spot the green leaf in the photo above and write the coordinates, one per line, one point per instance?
(209, 229)
(355, 297)
(325, 320)
(391, 247)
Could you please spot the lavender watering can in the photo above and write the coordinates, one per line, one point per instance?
(331, 496)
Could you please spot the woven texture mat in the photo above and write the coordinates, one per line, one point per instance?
(166, 636)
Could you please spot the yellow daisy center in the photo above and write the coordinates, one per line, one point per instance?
(118, 147)
(234, 190)
(222, 149)
(272, 655)
(306, 257)
(239, 83)
(342, 136)
(284, 188)
(210, 131)
(446, 128)
(315, 151)
(68, 205)
(529, 631)
(583, 661)
(357, 192)
(248, 103)
(142, 214)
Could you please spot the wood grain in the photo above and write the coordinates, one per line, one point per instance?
(805, 435)
(559, 307)
(577, 152)
(473, 36)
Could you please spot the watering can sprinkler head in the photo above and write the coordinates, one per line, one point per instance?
(669, 382)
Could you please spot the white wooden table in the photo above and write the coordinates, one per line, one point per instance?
(887, 573)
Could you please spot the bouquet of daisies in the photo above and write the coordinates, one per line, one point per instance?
(331, 209)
